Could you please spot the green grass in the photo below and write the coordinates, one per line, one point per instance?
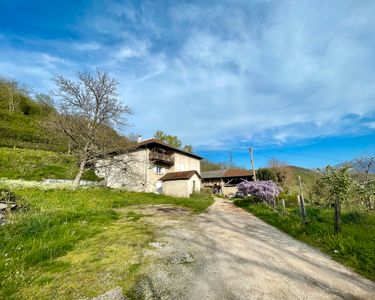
(308, 178)
(32, 164)
(78, 243)
(22, 128)
(355, 246)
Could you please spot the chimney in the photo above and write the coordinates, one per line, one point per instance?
(139, 139)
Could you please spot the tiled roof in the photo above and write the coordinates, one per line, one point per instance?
(226, 173)
(179, 175)
(158, 142)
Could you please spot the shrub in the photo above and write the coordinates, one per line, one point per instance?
(267, 191)
(206, 191)
(290, 199)
(267, 174)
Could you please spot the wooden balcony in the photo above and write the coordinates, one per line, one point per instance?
(162, 158)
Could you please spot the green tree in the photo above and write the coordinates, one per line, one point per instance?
(171, 140)
(188, 148)
(267, 174)
(340, 184)
(365, 191)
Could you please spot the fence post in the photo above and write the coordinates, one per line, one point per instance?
(337, 224)
(283, 203)
(302, 208)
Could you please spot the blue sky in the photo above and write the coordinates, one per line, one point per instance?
(293, 79)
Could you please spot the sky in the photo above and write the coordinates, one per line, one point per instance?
(295, 80)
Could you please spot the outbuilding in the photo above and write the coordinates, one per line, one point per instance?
(181, 184)
(224, 182)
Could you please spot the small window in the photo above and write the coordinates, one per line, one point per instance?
(159, 170)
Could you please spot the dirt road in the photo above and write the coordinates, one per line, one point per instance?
(226, 253)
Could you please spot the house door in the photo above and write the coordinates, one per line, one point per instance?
(159, 187)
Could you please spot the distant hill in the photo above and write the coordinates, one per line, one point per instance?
(357, 166)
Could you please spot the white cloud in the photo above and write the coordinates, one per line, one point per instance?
(221, 72)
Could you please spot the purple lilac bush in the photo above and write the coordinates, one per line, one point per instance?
(264, 190)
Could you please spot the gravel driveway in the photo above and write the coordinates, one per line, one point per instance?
(226, 253)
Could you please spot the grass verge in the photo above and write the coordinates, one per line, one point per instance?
(354, 247)
(76, 243)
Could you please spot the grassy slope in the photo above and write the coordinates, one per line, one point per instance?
(31, 164)
(355, 246)
(22, 128)
(308, 178)
(76, 243)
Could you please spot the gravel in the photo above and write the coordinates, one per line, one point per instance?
(227, 253)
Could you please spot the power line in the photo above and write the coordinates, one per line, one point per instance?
(244, 150)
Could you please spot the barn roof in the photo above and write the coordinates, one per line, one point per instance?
(226, 173)
(184, 175)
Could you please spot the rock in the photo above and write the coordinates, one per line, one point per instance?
(3, 206)
(115, 294)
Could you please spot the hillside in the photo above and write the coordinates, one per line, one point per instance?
(30, 164)
(308, 178)
(22, 127)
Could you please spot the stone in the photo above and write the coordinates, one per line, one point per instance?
(3, 206)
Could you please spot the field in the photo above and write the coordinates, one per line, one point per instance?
(78, 243)
(355, 246)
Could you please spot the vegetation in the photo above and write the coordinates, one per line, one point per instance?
(89, 106)
(266, 191)
(20, 123)
(339, 185)
(345, 232)
(266, 174)
(72, 244)
(308, 178)
(32, 164)
(207, 165)
(355, 246)
(172, 140)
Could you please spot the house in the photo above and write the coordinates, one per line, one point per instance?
(225, 182)
(153, 166)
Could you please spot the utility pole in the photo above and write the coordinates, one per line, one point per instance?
(230, 160)
(252, 163)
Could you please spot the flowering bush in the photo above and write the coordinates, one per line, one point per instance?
(264, 190)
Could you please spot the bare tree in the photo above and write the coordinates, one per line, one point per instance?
(283, 172)
(13, 91)
(365, 163)
(89, 106)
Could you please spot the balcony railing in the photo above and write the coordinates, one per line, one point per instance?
(161, 158)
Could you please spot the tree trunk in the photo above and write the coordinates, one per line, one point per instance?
(337, 225)
(80, 172)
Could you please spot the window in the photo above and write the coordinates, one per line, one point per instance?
(193, 185)
(159, 170)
